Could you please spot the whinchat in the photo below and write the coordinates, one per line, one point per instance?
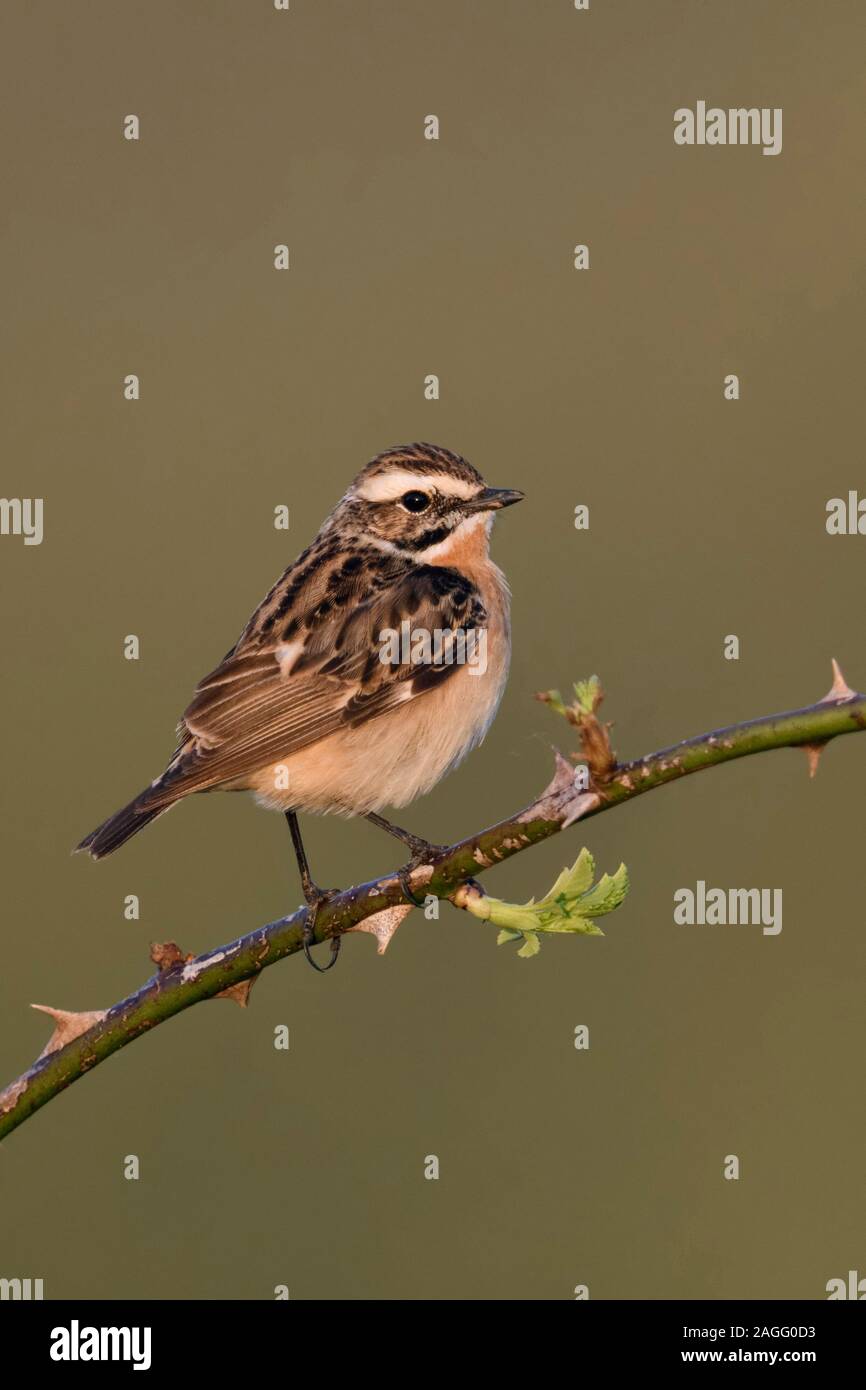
(373, 666)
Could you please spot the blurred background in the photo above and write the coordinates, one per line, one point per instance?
(604, 387)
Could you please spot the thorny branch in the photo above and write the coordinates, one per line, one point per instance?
(83, 1040)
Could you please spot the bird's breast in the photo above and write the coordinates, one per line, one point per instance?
(391, 760)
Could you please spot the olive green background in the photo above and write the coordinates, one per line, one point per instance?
(558, 1167)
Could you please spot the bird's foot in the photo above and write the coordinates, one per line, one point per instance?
(316, 897)
(422, 850)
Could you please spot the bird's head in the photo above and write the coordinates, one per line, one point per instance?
(421, 500)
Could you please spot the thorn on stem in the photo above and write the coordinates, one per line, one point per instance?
(67, 1026)
(383, 925)
(813, 752)
(240, 992)
(839, 690)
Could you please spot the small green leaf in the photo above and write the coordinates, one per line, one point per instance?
(567, 909)
(573, 925)
(577, 879)
(591, 930)
(587, 693)
(607, 894)
(555, 701)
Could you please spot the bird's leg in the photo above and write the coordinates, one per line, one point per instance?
(314, 896)
(421, 850)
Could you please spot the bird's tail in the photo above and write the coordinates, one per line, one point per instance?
(120, 827)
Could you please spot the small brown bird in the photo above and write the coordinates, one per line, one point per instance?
(375, 663)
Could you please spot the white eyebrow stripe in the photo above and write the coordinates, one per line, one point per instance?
(387, 487)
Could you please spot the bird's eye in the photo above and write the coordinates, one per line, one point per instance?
(415, 501)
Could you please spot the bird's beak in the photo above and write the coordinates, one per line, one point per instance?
(492, 499)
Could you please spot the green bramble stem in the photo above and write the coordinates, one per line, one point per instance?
(187, 983)
(815, 724)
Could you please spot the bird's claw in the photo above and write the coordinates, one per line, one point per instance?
(403, 876)
(316, 898)
(422, 850)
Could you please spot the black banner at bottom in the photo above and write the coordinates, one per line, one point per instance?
(63, 1338)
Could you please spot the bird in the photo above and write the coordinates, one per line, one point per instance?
(339, 698)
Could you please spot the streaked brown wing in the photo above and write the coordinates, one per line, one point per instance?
(251, 711)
